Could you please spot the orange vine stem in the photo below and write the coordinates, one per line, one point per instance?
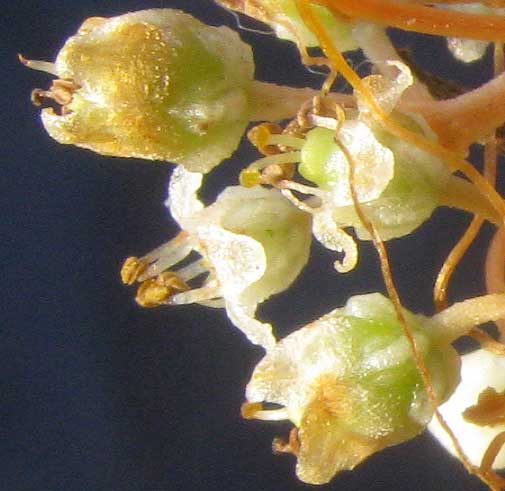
(420, 18)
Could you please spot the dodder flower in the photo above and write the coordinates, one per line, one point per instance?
(350, 385)
(252, 243)
(156, 84)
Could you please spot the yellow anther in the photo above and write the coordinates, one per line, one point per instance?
(157, 291)
(248, 410)
(132, 268)
(250, 178)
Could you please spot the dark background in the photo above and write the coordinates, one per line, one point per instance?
(98, 394)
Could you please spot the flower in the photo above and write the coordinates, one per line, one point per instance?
(482, 378)
(252, 243)
(397, 184)
(350, 385)
(156, 84)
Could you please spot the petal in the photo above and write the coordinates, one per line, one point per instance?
(326, 446)
(479, 370)
(327, 232)
(182, 198)
(237, 260)
(386, 92)
(242, 316)
(373, 164)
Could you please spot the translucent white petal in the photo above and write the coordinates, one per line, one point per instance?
(467, 50)
(242, 316)
(387, 92)
(182, 198)
(237, 260)
(327, 232)
(373, 164)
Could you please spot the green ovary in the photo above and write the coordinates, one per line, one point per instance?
(316, 155)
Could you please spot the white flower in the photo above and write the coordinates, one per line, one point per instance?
(252, 243)
(350, 385)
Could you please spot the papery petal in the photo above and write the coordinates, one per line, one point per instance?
(237, 260)
(182, 198)
(386, 92)
(323, 453)
(284, 376)
(242, 316)
(467, 50)
(327, 232)
(373, 164)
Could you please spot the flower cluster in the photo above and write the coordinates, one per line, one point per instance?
(373, 164)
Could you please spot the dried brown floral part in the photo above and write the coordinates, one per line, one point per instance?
(489, 410)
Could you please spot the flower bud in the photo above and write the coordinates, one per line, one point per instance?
(349, 383)
(156, 84)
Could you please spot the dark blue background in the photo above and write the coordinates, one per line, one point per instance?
(98, 394)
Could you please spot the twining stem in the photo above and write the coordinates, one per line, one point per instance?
(460, 318)
(272, 102)
(495, 271)
(420, 18)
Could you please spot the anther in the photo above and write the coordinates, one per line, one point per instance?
(132, 268)
(260, 135)
(157, 291)
(61, 91)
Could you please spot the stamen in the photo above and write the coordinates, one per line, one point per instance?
(255, 410)
(41, 66)
(279, 159)
(132, 268)
(166, 255)
(193, 270)
(251, 176)
(157, 291)
(208, 292)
